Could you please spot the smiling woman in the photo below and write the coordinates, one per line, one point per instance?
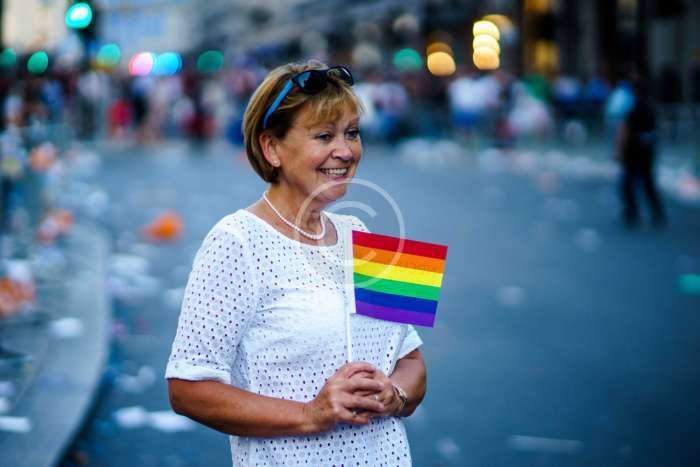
(260, 350)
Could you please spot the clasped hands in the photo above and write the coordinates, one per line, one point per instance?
(355, 394)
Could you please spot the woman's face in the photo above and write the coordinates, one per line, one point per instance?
(324, 155)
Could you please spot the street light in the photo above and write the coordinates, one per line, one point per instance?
(486, 47)
(79, 16)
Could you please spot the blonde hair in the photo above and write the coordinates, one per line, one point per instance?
(327, 105)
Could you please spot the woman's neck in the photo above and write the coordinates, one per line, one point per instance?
(295, 207)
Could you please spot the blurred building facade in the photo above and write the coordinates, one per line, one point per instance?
(33, 24)
(147, 25)
(279, 25)
(607, 38)
(610, 38)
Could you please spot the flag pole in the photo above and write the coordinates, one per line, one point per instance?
(348, 335)
(349, 292)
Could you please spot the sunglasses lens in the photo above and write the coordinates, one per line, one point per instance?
(311, 81)
(342, 73)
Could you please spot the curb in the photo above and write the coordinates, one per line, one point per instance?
(66, 376)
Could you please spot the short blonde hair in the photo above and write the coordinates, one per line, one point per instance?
(327, 105)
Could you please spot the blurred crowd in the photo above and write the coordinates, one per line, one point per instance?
(497, 107)
(41, 113)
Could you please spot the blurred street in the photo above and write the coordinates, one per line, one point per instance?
(562, 338)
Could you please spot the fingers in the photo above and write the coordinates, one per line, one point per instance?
(357, 417)
(365, 403)
(364, 384)
(349, 369)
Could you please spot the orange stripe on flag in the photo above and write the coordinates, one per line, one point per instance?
(404, 260)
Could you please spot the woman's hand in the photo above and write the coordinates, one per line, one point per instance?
(387, 396)
(339, 400)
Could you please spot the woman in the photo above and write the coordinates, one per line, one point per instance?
(260, 347)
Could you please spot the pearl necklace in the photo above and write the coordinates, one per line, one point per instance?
(294, 226)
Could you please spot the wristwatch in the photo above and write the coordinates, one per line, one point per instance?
(401, 394)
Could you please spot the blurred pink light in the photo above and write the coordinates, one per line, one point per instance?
(141, 64)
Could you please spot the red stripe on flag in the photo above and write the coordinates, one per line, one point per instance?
(412, 247)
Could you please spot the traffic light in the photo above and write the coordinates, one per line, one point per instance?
(82, 16)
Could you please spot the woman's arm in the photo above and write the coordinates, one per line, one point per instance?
(242, 413)
(410, 374)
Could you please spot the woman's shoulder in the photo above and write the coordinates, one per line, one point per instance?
(238, 224)
(345, 221)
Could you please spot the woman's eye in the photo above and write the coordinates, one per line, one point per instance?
(354, 133)
(325, 137)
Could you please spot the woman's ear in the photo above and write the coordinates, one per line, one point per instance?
(268, 144)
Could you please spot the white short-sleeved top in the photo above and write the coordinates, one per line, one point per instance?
(266, 313)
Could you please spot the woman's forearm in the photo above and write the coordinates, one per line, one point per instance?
(410, 374)
(237, 412)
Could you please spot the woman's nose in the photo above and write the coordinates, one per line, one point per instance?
(343, 151)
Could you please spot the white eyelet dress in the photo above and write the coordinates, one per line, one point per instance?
(266, 313)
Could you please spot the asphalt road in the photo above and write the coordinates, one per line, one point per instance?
(562, 339)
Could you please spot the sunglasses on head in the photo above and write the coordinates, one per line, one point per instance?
(309, 82)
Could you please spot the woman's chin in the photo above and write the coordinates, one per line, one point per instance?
(333, 193)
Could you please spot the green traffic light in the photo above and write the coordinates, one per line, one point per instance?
(210, 61)
(408, 60)
(38, 63)
(109, 56)
(79, 16)
(8, 58)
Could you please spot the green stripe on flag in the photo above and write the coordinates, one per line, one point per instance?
(396, 287)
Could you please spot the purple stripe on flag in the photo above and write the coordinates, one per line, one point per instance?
(395, 314)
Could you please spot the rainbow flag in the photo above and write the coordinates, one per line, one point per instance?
(396, 279)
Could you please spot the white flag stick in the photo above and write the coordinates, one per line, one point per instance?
(349, 292)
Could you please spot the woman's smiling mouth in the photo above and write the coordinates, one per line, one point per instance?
(335, 173)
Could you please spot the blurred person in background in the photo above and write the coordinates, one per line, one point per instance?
(139, 91)
(529, 115)
(618, 105)
(260, 351)
(92, 89)
(120, 114)
(391, 102)
(466, 104)
(636, 145)
(12, 153)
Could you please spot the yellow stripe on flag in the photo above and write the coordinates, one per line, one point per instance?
(397, 273)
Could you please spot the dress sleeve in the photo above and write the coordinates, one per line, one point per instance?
(218, 305)
(410, 342)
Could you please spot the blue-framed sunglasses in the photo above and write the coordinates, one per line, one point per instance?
(309, 82)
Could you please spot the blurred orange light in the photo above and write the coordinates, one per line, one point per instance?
(504, 24)
(486, 41)
(539, 6)
(439, 47)
(486, 28)
(485, 58)
(546, 56)
(441, 64)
